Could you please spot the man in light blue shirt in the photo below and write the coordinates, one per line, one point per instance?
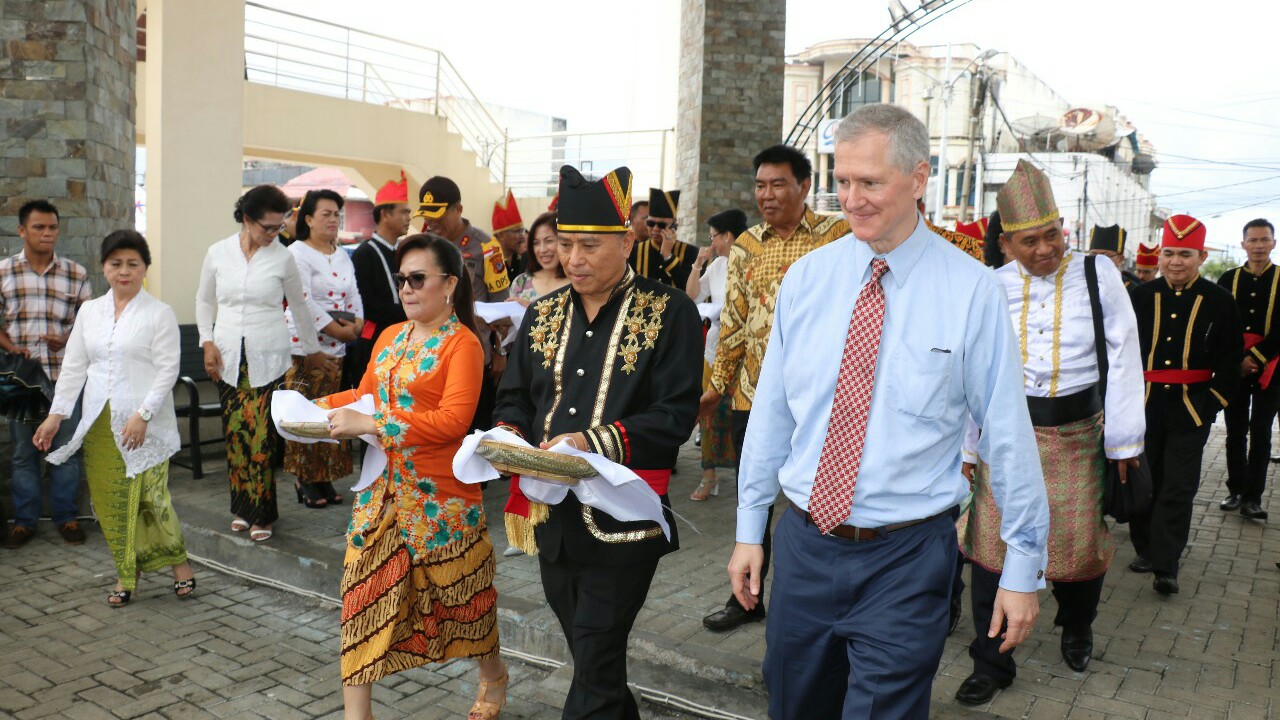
(860, 614)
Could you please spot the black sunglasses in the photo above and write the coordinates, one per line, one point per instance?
(415, 280)
(659, 224)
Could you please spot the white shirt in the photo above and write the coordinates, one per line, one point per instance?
(711, 288)
(329, 282)
(1054, 323)
(132, 363)
(247, 298)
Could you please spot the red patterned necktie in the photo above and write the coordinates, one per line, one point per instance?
(841, 457)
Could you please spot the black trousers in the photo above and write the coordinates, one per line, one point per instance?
(1249, 415)
(1160, 535)
(1077, 607)
(483, 419)
(740, 418)
(596, 606)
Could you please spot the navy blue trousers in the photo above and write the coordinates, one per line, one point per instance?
(856, 629)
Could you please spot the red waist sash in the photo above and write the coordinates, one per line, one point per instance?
(1264, 379)
(1178, 377)
(518, 504)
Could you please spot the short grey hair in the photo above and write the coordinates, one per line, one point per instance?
(908, 138)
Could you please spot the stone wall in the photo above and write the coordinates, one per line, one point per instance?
(67, 108)
(730, 106)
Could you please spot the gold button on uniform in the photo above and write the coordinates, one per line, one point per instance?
(1173, 316)
(1168, 362)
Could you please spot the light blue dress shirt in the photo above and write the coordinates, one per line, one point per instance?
(946, 351)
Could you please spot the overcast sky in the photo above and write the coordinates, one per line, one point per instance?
(1199, 84)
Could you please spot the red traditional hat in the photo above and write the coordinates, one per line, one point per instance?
(555, 203)
(1148, 256)
(973, 229)
(506, 214)
(393, 192)
(1183, 231)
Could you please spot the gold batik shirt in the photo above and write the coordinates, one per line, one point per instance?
(971, 246)
(757, 263)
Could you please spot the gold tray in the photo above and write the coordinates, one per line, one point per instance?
(542, 464)
(314, 430)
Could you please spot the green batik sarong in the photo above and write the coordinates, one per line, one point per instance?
(136, 514)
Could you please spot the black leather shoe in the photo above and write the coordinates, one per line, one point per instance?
(1275, 458)
(1253, 511)
(957, 609)
(1165, 584)
(731, 617)
(978, 689)
(1140, 565)
(1232, 503)
(1077, 647)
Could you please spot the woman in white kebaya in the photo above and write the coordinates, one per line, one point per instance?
(123, 354)
(244, 284)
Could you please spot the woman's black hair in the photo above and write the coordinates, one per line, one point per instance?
(307, 208)
(732, 220)
(126, 240)
(546, 218)
(449, 258)
(992, 255)
(259, 201)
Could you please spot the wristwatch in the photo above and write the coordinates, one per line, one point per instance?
(145, 414)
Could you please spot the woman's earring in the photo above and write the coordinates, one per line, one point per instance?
(448, 299)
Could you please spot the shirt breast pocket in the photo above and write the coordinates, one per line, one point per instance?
(918, 380)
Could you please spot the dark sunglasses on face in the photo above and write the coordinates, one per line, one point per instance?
(659, 224)
(415, 280)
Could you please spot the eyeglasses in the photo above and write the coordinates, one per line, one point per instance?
(659, 224)
(415, 280)
(270, 229)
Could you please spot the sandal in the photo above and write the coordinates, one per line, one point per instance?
(260, 534)
(484, 708)
(119, 598)
(310, 495)
(330, 494)
(705, 488)
(189, 585)
(239, 525)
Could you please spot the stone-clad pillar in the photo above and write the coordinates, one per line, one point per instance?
(67, 108)
(730, 107)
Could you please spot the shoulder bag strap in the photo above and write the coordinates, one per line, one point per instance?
(1099, 337)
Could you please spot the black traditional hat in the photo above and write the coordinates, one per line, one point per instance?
(1109, 238)
(602, 206)
(663, 203)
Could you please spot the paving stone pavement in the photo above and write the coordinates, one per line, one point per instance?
(1210, 652)
(235, 651)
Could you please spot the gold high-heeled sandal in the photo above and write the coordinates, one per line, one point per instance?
(484, 708)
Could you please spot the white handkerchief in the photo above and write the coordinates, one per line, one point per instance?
(293, 406)
(616, 490)
(508, 309)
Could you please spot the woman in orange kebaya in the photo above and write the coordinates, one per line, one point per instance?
(417, 585)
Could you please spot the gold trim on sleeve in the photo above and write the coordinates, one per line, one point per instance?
(589, 519)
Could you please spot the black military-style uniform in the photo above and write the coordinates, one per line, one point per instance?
(1252, 409)
(1131, 281)
(629, 380)
(374, 263)
(646, 260)
(1196, 328)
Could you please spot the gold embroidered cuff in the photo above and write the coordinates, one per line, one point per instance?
(1257, 355)
(603, 441)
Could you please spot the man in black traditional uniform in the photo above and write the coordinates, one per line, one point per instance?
(1189, 329)
(612, 363)
(1109, 241)
(375, 263)
(661, 256)
(1252, 409)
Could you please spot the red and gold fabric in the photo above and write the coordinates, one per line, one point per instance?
(393, 192)
(1148, 257)
(1183, 231)
(1026, 200)
(506, 214)
(1080, 545)
(971, 246)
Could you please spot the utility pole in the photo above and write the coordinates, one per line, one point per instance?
(942, 146)
(976, 104)
(1084, 201)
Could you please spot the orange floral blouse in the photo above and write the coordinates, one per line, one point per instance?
(425, 394)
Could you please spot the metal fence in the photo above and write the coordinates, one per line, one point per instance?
(533, 163)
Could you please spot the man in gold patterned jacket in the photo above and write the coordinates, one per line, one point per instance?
(612, 363)
(757, 262)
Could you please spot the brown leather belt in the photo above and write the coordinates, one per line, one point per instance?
(857, 534)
